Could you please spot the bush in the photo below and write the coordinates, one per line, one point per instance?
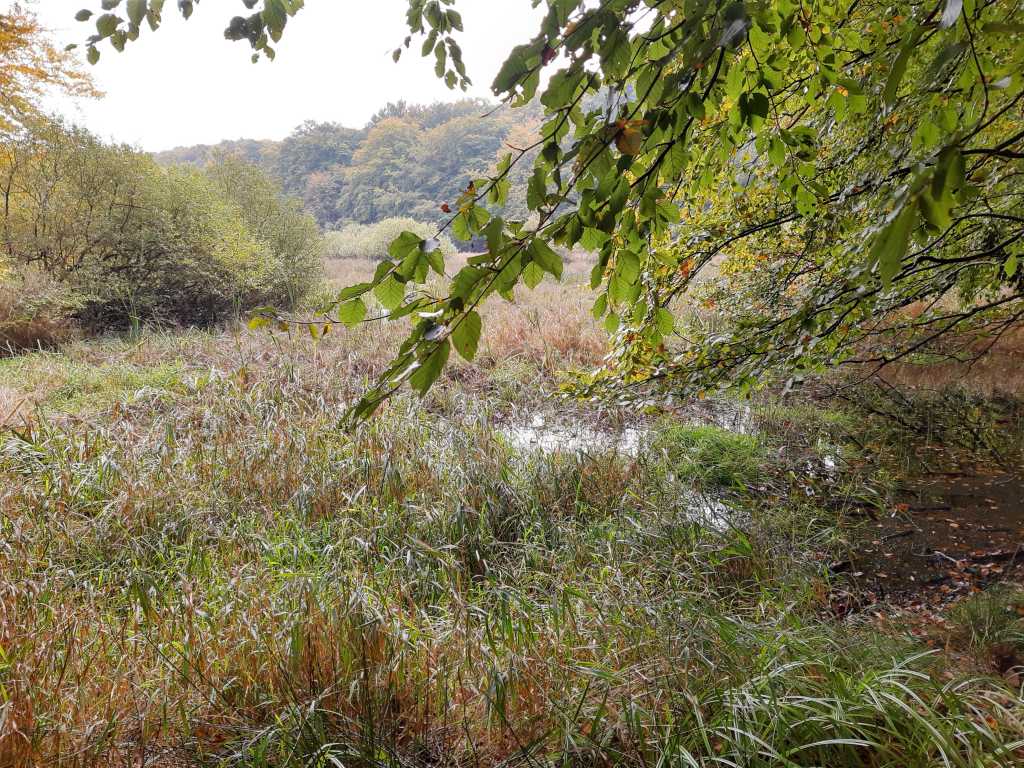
(140, 243)
(345, 243)
(35, 310)
(371, 241)
(290, 265)
(188, 259)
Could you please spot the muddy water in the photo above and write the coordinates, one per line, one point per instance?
(946, 536)
(950, 535)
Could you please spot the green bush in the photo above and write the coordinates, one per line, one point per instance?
(290, 265)
(371, 241)
(141, 243)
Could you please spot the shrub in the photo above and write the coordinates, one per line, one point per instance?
(345, 243)
(188, 259)
(371, 241)
(290, 264)
(35, 310)
(140, 243)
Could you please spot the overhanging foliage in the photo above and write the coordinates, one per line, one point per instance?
(864, 157)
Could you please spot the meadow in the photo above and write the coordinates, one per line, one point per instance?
(199, 565)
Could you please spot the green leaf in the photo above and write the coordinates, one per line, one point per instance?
(593, 239)
(532, 275)
(404, 245)
(796, 36)
(536, 190)
(436, 261)
(106, 24)
(427, 373)
(899, 69)
(495, 234)
(354, 290)
(351, 313)
(390, 293)
(546, 258)
(516, 66)
(935, 212)
(466, 336)
(461, 228)
(627, 267)
(136, 11)
(891, 244)
(477, 216)
(665, 321)
(466, 281)
(753, 105)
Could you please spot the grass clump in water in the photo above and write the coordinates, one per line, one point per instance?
(711, 457)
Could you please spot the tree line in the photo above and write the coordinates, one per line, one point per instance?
(408, 161)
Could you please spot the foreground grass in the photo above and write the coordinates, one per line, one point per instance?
(218, 575)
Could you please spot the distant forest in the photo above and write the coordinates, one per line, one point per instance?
(407, 161)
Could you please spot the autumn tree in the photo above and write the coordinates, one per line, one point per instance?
(30, 66)
(313, 148)
(405, 162)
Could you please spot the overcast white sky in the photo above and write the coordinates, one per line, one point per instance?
(186, 84)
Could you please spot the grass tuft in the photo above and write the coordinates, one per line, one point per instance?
(711, 457)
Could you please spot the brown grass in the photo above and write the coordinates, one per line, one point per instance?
(32, 313)
(550, 326)
(1000, 371)
(15, 407)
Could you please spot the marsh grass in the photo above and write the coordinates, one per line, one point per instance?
(712, 457)
(992, 621)
(35, 311)
(199, 567)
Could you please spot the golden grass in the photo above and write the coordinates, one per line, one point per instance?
(550, 326)
(14, 407)
(999, 372)
(32, 313)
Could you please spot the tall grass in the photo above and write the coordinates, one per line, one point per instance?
(35, 311)
(220, 576)
(710, 456)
